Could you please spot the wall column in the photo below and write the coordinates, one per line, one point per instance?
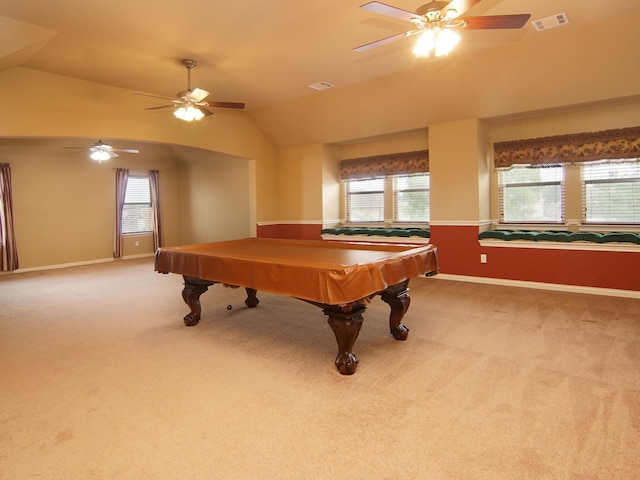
(460, 199)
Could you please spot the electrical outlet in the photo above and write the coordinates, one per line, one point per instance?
(483, 258)
(137, 243)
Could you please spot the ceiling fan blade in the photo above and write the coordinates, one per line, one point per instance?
(152, 96)
(126, 150)
(383, 41)
(198, 94)
(100, 146)
(492, 22)
(460, 6)
(388, 10)
(212, 104)
(160, 107)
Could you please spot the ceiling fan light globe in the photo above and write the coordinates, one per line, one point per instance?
(188, 113)
(100, 155)
(446, 41)
(425, 44)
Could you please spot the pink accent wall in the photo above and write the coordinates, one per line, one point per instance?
(459, 254)
(290, 230)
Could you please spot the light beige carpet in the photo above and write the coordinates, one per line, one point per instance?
(100, 379)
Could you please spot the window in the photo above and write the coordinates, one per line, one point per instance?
(611, 192)
(402, 198)
(365, 200)
(411, 198)
(531, 195)
(3, 233)
(136, 213)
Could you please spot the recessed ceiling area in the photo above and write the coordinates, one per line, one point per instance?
(78, 148)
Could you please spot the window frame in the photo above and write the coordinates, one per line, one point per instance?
(125, 231)
(395, 192)
(584, 182)
(348, 195)
(389, 211)
(501, 194)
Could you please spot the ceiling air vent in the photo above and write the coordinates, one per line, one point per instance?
(321, 85)
(550, 22)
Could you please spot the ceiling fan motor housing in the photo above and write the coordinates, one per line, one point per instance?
(187, 62)
(431, 8)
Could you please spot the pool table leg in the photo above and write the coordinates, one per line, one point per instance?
(193, 288)
(397, 297)
(346, 327)
(252, 299)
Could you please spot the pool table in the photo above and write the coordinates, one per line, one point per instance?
(339, 277)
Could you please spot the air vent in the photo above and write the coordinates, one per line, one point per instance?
(550, 22)
(321, 85)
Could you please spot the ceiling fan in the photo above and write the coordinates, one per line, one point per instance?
(101, 151)
(437, 22)
(190, 105)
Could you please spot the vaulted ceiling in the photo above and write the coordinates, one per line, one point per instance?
(268, 53)
(254, 51)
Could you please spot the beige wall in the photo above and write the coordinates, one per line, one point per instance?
(396, 143)
(64, 206)
(64, 203)
(215, 200)
(330, 187)
(454, 166)
(49, 105)
(586, 118)
(301, 183)
(309, 189)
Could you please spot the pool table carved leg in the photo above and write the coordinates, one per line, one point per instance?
(346, 327)
(193, 288)
(397, 297)
(252, 300)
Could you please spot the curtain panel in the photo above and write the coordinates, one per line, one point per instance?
(382, 165)
(154, 184)
(572, 148)
(8, 250)
(122, 175)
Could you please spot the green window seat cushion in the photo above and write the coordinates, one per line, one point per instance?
(561, 236)
(378, 231)
(621, 237)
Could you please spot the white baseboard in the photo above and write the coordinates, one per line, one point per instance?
(77, 264)
(611, 292)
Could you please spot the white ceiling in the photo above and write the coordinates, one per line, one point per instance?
(261, 52)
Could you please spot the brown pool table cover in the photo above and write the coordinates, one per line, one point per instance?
(327, 272)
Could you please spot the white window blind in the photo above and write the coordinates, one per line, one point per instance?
(611, 192)
(364, 200)
(136, 212)
(411, 198)
(531, 195)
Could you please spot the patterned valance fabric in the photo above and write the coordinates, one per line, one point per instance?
(382, 165)
(578, 147)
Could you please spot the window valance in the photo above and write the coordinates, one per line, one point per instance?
(578, 147)
(382, 165)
